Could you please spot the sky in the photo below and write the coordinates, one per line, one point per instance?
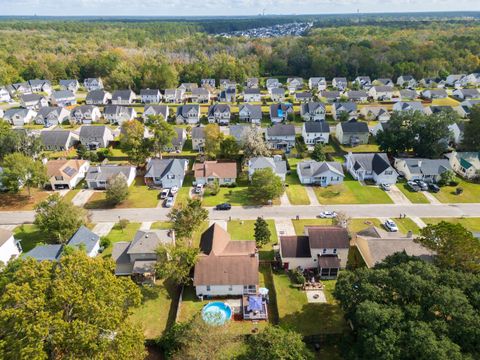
(224, 7)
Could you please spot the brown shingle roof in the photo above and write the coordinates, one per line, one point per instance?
(295, 246)
(328, 237)
(57, 167)
(328, 262)
(215, 169)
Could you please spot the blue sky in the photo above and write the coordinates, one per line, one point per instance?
(224, 7)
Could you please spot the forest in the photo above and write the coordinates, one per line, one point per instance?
(160, 54)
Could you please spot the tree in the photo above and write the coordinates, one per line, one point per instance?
(398, 137)
(213, 139)
(163, 134)
(447, 177)
(455, 246)
(229, 148)
(342, 219)
(343, 116)
(12, 141)
(133, 142)
(175, 262)
(262, 232)
(21, 170)
(318, 152)
(471, 141)
(265, 185)
(300, 146)
(71, 309)
(275, 343)
(188, 218)
(254, 145)
(58, 218)
(117, 189)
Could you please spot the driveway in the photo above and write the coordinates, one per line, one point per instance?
(397, 196)
(103, 229)
(284, 227)
(311, 196)
(82, 197)
(433, 200)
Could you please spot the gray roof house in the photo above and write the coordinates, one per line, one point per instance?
(330, 96)
(428, 170)
(93, 84)
(63, 98)
(219, 113)
(314, 132)
(373, 166)
(272, 84)
(408, 106)
(340, 83)
(277, 94)
(252, 95)
(383, 82)
(98, 97)
(381, 92)
(344, 107)
(200, 95)
(85, 239)
(465, 94)
(98, 176)
(313, 111)
(94, 137)
(123, 97)
(357, 95)
(179, 141)
(154, 110)
(304, 96)
(188, 114)
(49, 116)
(150, 96)
(352, 133)
(211, 83)
(58, 140)
(33, 101)
(275, 163)
(252, 83)
(280, 112)
(239, 132)
(228, 95)
(117, 114)
(174, 95)
(281, 137)
(364, 82)
(70, 84)
(407, 81)
(166, 173)
(198, 138)
(408, 94)
(322, 173)
(434, 94)
(40, 85)
(250, 113)
(49, 252)
(19, 117)
(318, 83)
(85, 114)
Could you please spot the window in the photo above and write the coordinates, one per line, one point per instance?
(324, 251)
(334, 251)
(208, 287)
(170, 176)
(388, 172)
(230, 288)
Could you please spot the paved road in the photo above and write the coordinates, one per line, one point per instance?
(272, 212)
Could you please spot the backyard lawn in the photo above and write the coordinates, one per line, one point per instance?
(471, 193)
(117, 234)
(21, 201)
(30, 236)
(295, 190)
(414, 197)
(445, 102)
(245, 230)
(472, 224)
(351, 192)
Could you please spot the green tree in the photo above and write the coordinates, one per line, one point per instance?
(265, 185)
(58, 218)
(318, 152)
(73, 309)
(447, 177)
(163, 134)
(471, 141)
(117, 189)
(188, 218)
(254, 145)
(262, 232)
(12, 141)
(398, 137)
(275, 343)
(343, 116)
(133, 142)
(175, 262)
(21, 170)
(229, 148)
(213, 139)
(455, 246)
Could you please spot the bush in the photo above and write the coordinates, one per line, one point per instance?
(297, 277)
(454, 183)
(458, 191)
(105, 242)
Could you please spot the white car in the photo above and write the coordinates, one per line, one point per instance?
(169, 202)
(327, 215)
(164, 193)
(390, 225)
(174, 189)
(198, 189)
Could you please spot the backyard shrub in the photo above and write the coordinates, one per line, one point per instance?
(458, 191)
(297, 277)
(105, 242)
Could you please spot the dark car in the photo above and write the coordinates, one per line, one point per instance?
(434, 188)
(224, 206)
(413, 186)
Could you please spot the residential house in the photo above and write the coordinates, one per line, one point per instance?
(19, 88)
(70, 85)
(277, 94)
(281, 137)
(95, 137)
(225, 267)
(430, 83)
(314, 132)
(123, 97)
(198, 138)
(373, 166)
(156, 110)
(330, 96)
(86, 240)
(188, 87)
(456, 81)
(465, 94)
(188, 114)
(33, 101)
(278, 166)
(272, 84)
(324, 248)
(408, 94)
(357, 95)
(227, 84)
(408, 106)
(98, 176)
(85, 114)
(150, 96)
(179, 141)
(38, 85)
(66, 174)
(303, 97)
(58, 140)
(239, 132)
(363, 82)
(375, 113)
(50, 116)
(473, 79)
(323, 173)
(280, 112)
(313, 111)
(250, 113)
(318, 83)
(340, 83)
(4, 94)
(138, 258)
(228, 95)
(352, 133)
(19, 117)
(98, 97)
(174, 96)
(381, 126)
(210, 171)
(10, 247)
(294, 84)
(200, 95)
(457, 131)
(383, 82)
(465, 107)
(407, 81)
(252, 83)
(381, 93)
(428, 170)
(49, 252)
(434, 94)
(252, 95)
(117, 114)
(465, 164)
(166, 173)
(349, 108)
(375, 244)
(208, 83)
(91, 84)
(219, 113)
(63, 98)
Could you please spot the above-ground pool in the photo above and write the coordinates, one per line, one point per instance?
(216, 313)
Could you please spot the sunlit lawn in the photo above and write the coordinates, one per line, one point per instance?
(297, 195)
(471, 193)
(299, 225)
(407, 224)
(470, 223)
(21, 200)
(30, 236)
(183, 193)
(117, 234)
(355, 225)
(445, 102)
(414, 197)
(245, 230)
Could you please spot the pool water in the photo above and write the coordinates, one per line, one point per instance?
(216, 313)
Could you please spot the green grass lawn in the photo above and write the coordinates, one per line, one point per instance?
(471, 193)
(158, 308)
(245, 230)
(140, 196)
(414, 197)
(161, 225)
(357, 225)
(183, 192)
(117, 234)
(472, 224)
(297, 195)
(297, 314)
(351, 192)
(299, 225)
(404, 225)
(30, 236)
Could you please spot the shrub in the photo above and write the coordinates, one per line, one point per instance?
(297, 277)
(458, 191)
(105, 242)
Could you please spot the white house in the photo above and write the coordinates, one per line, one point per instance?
(340, 83)
(155, 110)
(49, 116)
(200, 95)
(465, 164)
(434, 94)
(93, 84)
(33, 101)
(344, 107)
(66, 174)
(123, 97)
(378, 113)
(320, 173)
(465, 94)
(364, 82)
(252, 95)
(319, 83)
(85, 114)
(294, 84)
(63, 98)
(70, 84)
(373, 166)
(98, 97)
(10, 248)
(314, 132)
(98, 176)
(150, 96)
(408, 106)
(275, 163)
(281, 136)
(382, 93)
(407, 81)
(188, 114)
(19, 117)
(117, 114)
(313, 111)
(87, 240)
(4, 94)
(250, 113)
(428, 170)
(219, 113)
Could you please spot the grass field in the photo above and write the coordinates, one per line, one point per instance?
(472, 224)
(30, 236)
(471, 193)
(245, 230)
(414, 197)
(355, 224)
(297, 195)
(445, 102)
(117, 234)
(22, 201)
(404, 225)
(299, 225)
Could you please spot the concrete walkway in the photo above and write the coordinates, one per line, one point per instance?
(145, 226)
(311, 195)
(284, 201)
(397, 196)
(284, 227)
(420, 223)
(103, 229)
(433, 200)
(82, 197)
(222, 223)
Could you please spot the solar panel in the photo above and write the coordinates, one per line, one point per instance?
(69, 171)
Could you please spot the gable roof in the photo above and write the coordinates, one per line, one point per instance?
(327, 237)
(123, 94)
(106, 172)
(91, 131)
(262, 162)
(198, 132)
(376, 162)
(345, 106)
(149, 92)
(5, 235)
(428, 167)
(50, 252)
(147, 242)
(295, 247)
(65, 168)
(55, 137)
(63, 94)
(84, 236)
(314, 168)
(159, 168)
(316, 127)
(281, 130)
(215, 169)
(354, 127)
(255, 111)
(222, 108)
(96, 95)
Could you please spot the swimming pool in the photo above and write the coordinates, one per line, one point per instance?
(216, 313)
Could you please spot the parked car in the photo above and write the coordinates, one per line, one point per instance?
(224, 206)
(198, 189)
(169, 202)
(164, 193)
(413, 186)
(390, 225)
(174, 189)
(434, 188)
(422, 184)
(327, 215)
(385, 187)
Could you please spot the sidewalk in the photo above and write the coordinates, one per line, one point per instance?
(103, 229)
(433, 200)
(82, 197)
